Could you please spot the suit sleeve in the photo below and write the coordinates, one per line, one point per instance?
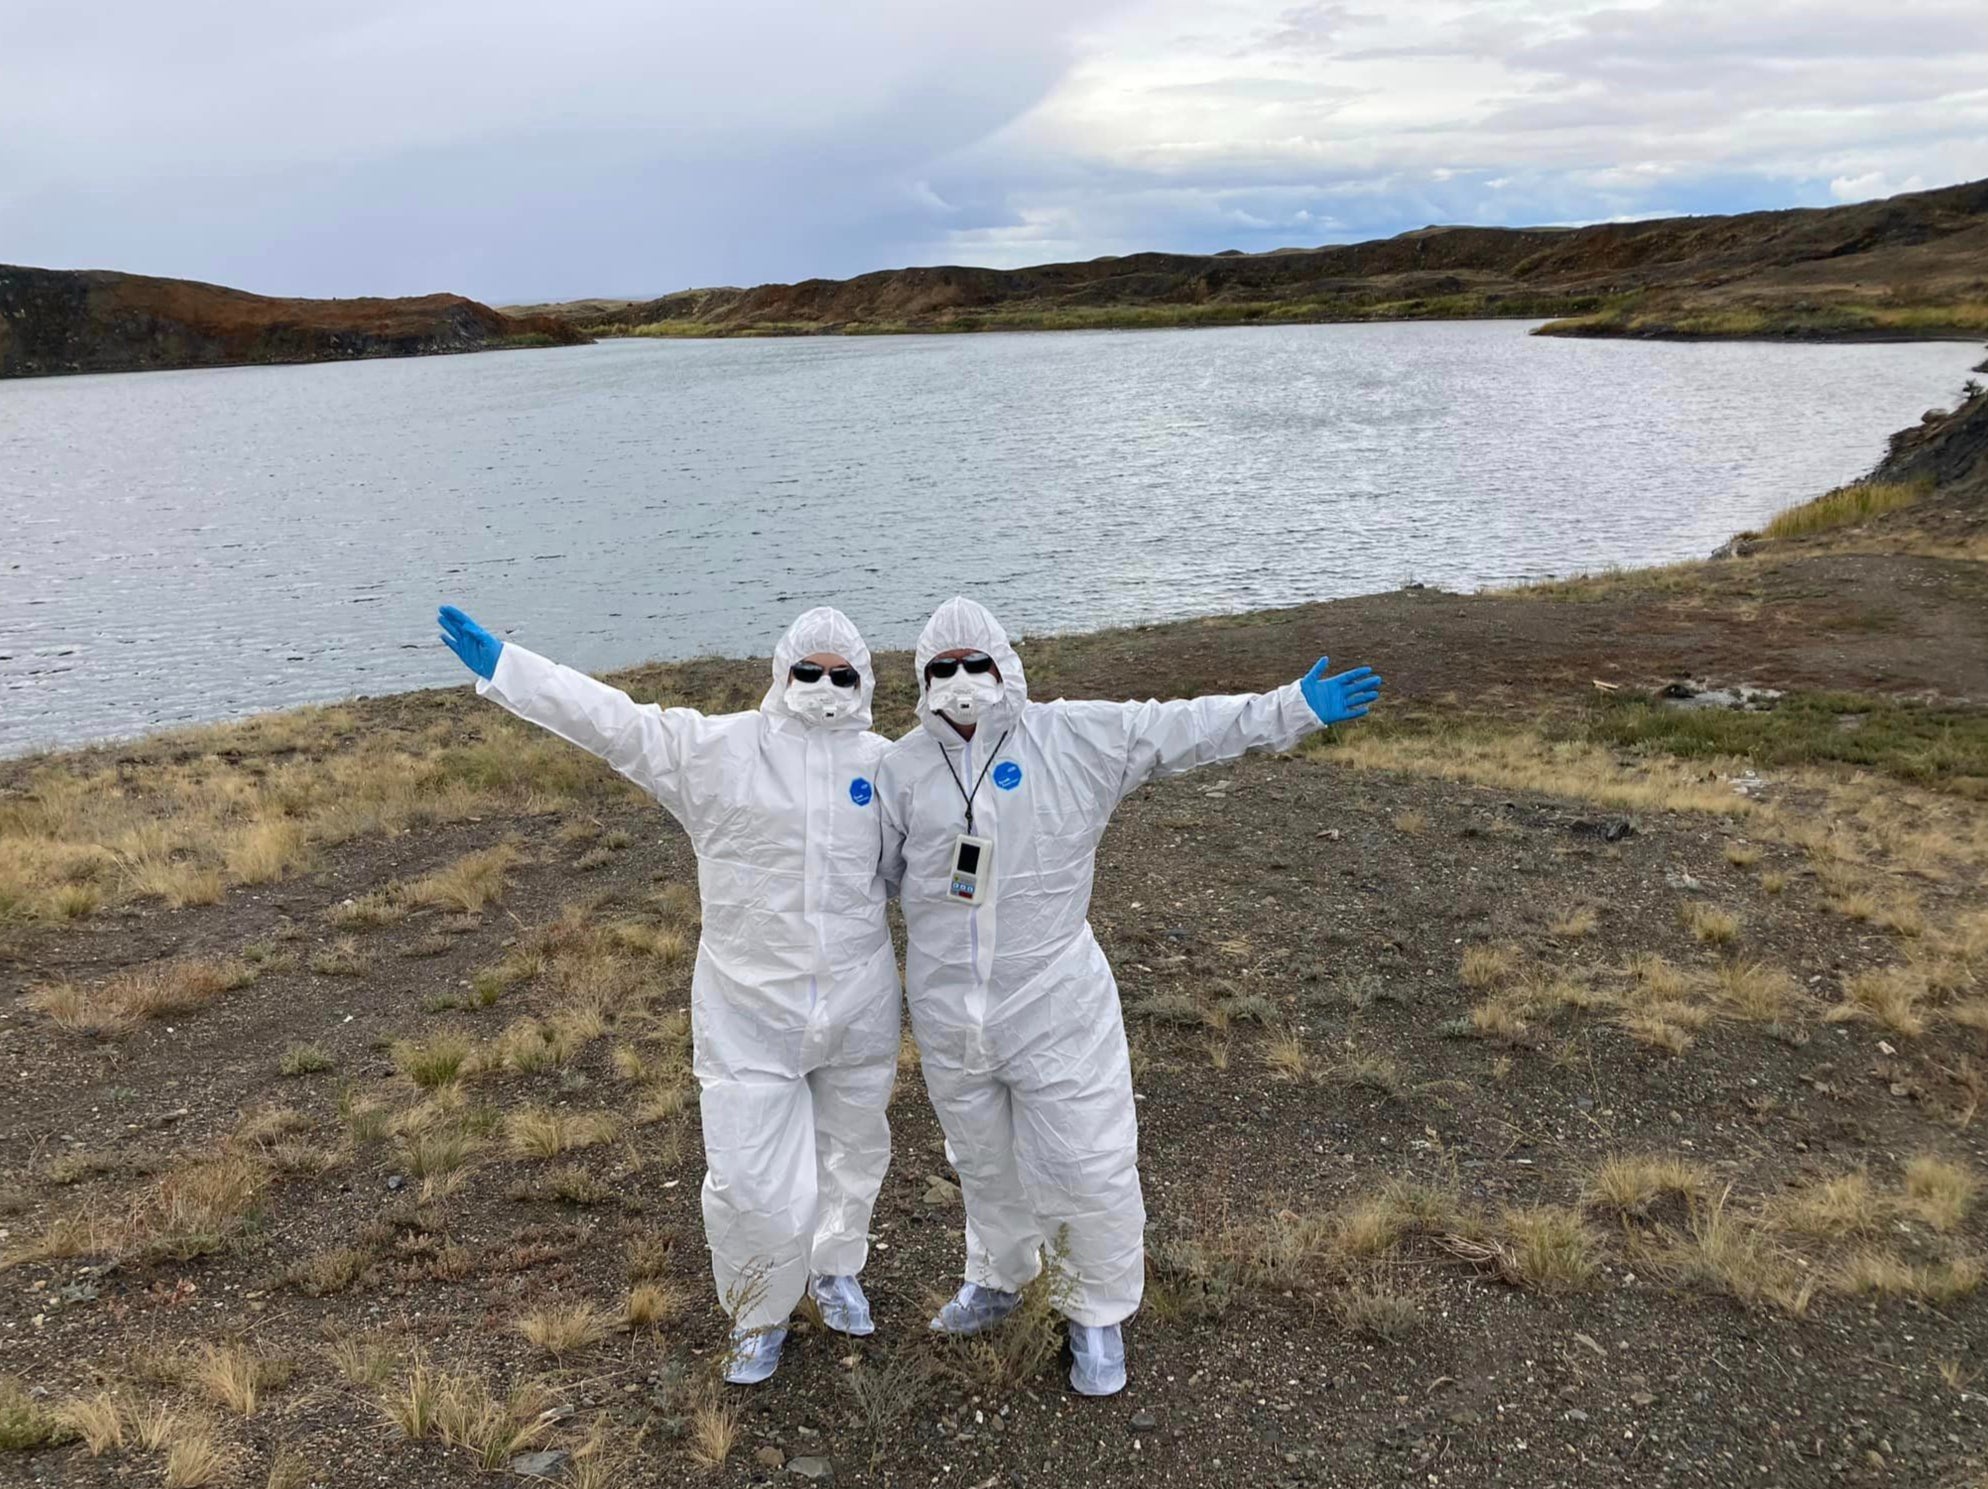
(891, 813)
(1141, 742)
(646, 743)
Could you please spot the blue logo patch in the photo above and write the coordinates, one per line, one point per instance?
(1007, 775)
(860, 791)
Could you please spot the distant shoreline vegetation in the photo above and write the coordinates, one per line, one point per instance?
(1638, 315)
(1144, 317)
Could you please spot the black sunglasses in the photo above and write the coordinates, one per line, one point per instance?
(976, 664)
(841, 677)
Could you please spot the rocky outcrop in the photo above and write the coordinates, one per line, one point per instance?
(64, 320)
(1948, 449)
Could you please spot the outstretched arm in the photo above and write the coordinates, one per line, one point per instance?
(1166, 739)
(642, 741)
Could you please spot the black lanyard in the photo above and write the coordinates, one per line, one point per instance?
(964, 794)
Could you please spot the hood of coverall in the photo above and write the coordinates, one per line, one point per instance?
(963, 622)
(822, 629)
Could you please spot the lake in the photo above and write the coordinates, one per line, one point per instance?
(188, 546)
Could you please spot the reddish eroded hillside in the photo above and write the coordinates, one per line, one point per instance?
(61, 320)
(1912, 265)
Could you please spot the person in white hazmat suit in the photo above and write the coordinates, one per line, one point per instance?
(794, 1001)
(992, 812)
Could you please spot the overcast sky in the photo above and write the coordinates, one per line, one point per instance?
(518, 151)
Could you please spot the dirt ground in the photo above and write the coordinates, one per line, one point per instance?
(1393, 1007)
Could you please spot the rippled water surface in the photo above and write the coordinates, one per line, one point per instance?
(193, 545)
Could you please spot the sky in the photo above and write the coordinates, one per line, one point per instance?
(520, 152)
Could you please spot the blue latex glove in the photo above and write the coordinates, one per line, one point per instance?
(478, 649)
(1337, 699)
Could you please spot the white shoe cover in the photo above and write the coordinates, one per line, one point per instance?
(843, 1306)
(754, 1355)
(1097, 1360)
(974, 1310)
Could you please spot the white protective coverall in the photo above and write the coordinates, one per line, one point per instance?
(794, 1001)
(1012, 1001)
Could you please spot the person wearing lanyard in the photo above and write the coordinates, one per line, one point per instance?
(992, 812)
(794, 1000)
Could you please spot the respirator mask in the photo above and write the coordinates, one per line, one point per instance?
(823, 695)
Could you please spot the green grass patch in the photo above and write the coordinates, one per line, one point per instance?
(1846, 506)
(1634, 315)
(25, 1423)
(1943, 748)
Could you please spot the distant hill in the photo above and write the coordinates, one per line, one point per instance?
(87, 320)
(1912, 265)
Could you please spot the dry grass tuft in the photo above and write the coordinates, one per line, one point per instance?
(1886, 1274)
(1523, 759)
(1552, 1248)
(470, 883)
(1847, 506)
(1287, 1055)
(1888, 996)
(1487, 966)
(98, 1420)
(265, 851)
(386, 906)
(438, 1060)
(536, 1132)
(363, 1359)
(1499, 1019)
(1835, 1208)
(1755, 991)
(495, 1429)
(1575, 923)
(1632, 1184)
(1657, 980)
(343, 958)
(1660, 1027)
(566, 1328)
(289, 1469)
(1710, 924)
(194, 1209)
(157, 991)
(195, 1456)
(230, 1375)
(654, 1305)
(1739, 1258)
(1378, 1309)
(413, 1406)
(304, 1059)
(714, 1429)
(1940, 1192)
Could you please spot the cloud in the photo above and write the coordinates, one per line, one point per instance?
(617, 147)
(607, 146)
(1870, 185)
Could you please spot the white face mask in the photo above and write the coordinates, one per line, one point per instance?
(821, 701)
(963, 698)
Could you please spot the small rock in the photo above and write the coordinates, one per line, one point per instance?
(1575, 1414)
(820, 1469)
(770, 1458)
(1644, 1398)
(395, 1181)
(1144, 1421)
(540, 1465)
(940, 1193)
